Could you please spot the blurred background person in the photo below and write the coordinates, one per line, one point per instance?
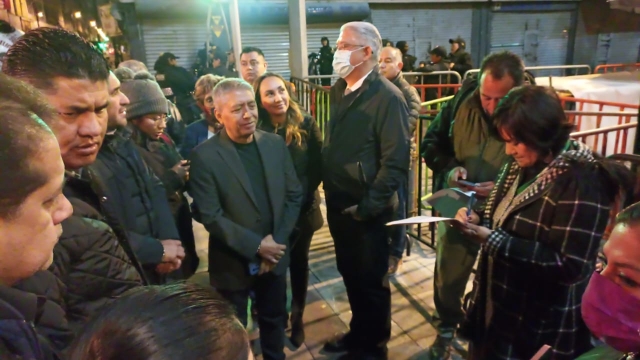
(611, 303)
(32, 209)
(208, 126)
(460, 59)
(540, 233)
(325, 60)
(408, 60)
(278, 113)
(147, 114)
(181, 82)
(218, 67)
(135, 66)
(391, 68)
(180, 321)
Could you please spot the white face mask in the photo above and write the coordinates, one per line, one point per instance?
(342, 62)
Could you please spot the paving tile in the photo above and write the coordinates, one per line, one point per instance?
(328, 312)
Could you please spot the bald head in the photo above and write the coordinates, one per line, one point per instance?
(390, 62)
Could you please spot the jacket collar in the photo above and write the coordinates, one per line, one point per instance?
(19, 305)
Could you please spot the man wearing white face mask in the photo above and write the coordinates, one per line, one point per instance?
(365, 160)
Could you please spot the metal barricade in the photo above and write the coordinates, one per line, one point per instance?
(537, 69)
(588, 115)
(603, 69)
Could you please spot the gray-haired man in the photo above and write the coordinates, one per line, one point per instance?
(365, 161)
(246, 188)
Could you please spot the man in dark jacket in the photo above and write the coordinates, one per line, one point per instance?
(246, 188)
(459, 57)
(391, 68)
(438, 63)
(365, 162)
(93, 260)
(181, 82)
(138, 198)
(31, 212)
(459, 146)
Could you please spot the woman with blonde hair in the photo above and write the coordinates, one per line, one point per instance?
(279, 113)
(208, 126)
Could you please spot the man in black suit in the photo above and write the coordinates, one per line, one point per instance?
(365, 161)
(245, 186)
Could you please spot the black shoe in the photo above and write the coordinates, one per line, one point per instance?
(361, 356)
(339, 344)
(297, 332)
(440, 349)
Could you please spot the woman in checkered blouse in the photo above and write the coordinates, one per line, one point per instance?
(540, 232)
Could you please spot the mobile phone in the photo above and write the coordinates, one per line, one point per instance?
(467, 183)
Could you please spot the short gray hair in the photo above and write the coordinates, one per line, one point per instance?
(228, 85)
(369, 35)
(134, 65)
(395, 53)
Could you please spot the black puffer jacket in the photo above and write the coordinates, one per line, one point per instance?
(18, 312)
(412, 98)
(93, 266)
(138, 200)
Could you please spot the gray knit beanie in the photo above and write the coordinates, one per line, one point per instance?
(145, 97)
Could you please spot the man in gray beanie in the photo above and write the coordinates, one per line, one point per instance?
(137, 196)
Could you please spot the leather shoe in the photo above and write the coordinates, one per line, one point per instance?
(297, 332)
(337, 345)
(361, 356)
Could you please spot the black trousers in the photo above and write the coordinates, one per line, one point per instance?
(270, 290)
(299, 269)
(362, 256)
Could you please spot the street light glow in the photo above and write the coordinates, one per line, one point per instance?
(92, 23)
(77, 14)
(40, 14)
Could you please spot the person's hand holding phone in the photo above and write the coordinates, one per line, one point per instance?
(458, 173)
(182, 169)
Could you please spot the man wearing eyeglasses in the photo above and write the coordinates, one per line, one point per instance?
(365, 161)
(136, 195)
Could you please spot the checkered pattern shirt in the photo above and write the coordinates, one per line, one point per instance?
(538, 263)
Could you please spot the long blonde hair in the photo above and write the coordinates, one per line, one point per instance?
(294, 119)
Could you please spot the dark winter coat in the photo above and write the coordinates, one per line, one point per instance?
(307, 160)
(19, 311)
(366, 146)
(93, 263)
(161, 155)
(537, 264)
(138, 199)
(412, 98)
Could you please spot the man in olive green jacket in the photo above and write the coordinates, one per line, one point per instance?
(459, 146)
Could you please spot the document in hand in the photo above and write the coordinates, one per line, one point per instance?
(448, 201)
(419, 220)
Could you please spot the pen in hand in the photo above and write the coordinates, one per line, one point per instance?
(471, 200)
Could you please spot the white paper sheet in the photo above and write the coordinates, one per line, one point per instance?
(419, 220)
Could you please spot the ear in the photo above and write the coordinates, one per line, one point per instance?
(218, 114)
(400, 65)
(265, 65)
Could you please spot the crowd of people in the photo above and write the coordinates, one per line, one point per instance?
(96, 236)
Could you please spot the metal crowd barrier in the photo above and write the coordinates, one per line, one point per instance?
(603, 69)
(553, 68)
(315, 99)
